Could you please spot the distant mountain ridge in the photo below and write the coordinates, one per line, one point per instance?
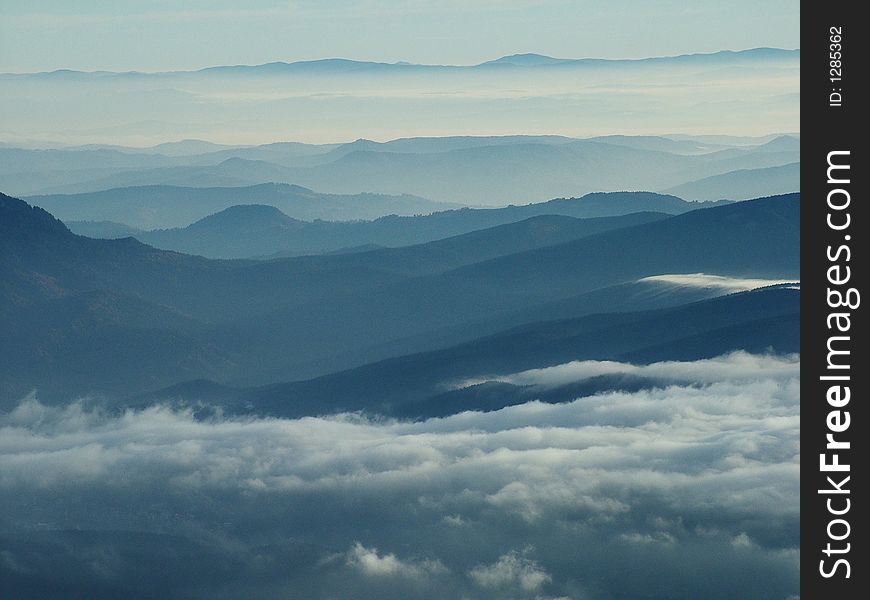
(330, 100)
(165, 206)
(479, 175)
(261, 233)
(742, 184)
(514, 60)
(470, 170)
(257, 230)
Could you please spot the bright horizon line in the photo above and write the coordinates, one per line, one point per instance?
(398, 62)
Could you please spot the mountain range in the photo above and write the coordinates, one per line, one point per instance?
(247, 231)
(753, 91)
(525, 60)
(527, 328)
(429, 384)
(71, 303)
(473, 171)
(162, 207)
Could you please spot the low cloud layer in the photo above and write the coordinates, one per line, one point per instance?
(734, 367)
(720, 282)
(685, 491)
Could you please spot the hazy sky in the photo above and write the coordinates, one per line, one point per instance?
(37, 35)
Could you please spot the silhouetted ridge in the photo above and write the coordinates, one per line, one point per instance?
(18, 217)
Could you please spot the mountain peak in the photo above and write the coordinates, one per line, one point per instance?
(247, 216)
(528, 59)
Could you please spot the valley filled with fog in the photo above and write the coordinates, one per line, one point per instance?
(524, 329)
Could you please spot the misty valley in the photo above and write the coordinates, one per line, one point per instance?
(469, 366)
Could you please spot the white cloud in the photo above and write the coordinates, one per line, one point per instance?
(736, 366)
(703, 280)
(368, 562)
(707, 466)
(512, 570)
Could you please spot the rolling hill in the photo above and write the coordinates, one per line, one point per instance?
(231, 233)
(164, 206)
(742, 184)
(254, 231)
